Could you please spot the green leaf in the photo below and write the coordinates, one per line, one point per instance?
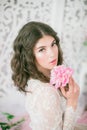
(18, 122)
(8, 116)
(6, 126)
(3, 123)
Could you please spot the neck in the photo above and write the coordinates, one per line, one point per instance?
(45, 72)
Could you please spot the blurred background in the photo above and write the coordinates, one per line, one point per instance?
(68, 18)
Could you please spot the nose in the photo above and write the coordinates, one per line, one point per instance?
(50, 52)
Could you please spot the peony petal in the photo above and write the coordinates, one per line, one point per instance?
(60, 75)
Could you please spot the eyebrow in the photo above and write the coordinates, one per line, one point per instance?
(43, 46)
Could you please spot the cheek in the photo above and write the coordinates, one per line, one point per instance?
(56, 53)
(56, 50)
(39, 57)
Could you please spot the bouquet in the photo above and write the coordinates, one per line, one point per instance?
(60, 76)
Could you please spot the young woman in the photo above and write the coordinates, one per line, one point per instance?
(36, 52)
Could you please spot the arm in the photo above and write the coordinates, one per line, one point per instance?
(72, 100)
(44, 109)
(69, 119)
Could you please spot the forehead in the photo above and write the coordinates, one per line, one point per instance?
(45, 40)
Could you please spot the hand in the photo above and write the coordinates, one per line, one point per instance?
(72, 94)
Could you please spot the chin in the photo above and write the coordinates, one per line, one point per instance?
(52, 67)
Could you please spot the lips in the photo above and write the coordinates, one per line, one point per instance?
(53, 61)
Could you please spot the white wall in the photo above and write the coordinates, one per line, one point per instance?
(68, 18)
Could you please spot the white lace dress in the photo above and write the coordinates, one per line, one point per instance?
(47, 108)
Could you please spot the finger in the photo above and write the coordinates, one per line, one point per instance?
(77, 88)
(63, 91)
(74, 83)
(71, 84)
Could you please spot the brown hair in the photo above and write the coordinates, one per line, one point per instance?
(23, 61)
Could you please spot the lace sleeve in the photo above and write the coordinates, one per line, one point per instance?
(44, 110)
(69, 116)
(69, 119)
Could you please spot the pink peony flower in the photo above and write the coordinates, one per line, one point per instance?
(60, 76)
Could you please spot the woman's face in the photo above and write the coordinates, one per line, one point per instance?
(46, 53)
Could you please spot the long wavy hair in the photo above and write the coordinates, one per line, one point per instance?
(23, 60)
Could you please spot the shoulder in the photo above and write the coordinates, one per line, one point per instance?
(42, 95)
(37, 86)
(35, 83)
(42, 90)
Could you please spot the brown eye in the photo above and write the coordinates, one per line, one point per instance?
(54, 43)
(42, 49)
